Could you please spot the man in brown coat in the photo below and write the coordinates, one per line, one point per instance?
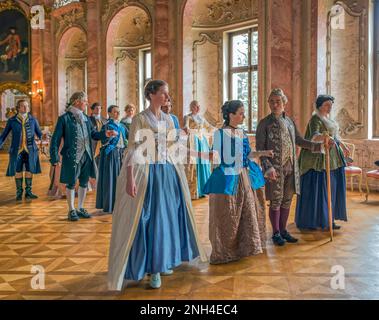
(278, 132)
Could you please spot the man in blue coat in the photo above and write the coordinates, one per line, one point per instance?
(76, 130)
(23, 152)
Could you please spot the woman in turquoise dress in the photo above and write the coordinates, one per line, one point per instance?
(198, 170)
(153, 227)
(236, 212)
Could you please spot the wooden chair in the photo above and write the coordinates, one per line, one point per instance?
(374, 174)
(353, 171)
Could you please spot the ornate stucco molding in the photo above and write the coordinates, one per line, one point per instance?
(71, 15)
(214, 38)
(351, 127)
(123, 55)
(223, 12)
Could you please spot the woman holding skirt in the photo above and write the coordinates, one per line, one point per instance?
(312, 205)
(236, 215)
(153, 227)
(110, 161)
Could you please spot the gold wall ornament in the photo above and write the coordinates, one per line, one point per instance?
(24, 88)
(9, 5)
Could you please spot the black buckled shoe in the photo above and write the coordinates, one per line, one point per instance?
(72, 216)
(377, 163)
(278, 240)
(287, 236)
(83, 213)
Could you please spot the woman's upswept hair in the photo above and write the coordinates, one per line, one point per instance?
(230, 107)
(152, 87)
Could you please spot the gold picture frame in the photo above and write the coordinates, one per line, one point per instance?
(23, 85)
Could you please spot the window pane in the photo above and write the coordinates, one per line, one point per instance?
(254, 100)
(240, 50)
(240, 91)
(148, 65)
(254, 48)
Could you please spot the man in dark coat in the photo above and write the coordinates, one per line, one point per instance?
(75, 128)
(23, 152)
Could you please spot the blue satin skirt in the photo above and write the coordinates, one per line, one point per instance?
(312, 204)
(203, 167)
(109, 169)
(164, 237)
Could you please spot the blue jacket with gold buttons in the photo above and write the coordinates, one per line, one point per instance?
(32, 129)
(66, 129)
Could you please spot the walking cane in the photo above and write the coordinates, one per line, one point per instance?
(327, 158)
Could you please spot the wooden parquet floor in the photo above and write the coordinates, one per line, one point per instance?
(74, 256)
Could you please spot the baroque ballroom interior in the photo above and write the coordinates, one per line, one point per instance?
(111, 48)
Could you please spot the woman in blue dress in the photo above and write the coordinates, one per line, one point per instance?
(153, 227)
(110, 161)
(236, 212)
(198, 170)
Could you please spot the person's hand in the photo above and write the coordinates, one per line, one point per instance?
(272, 176)
(269, 153)
(183, 133)
(331, 143)
(346, 152)
(131, 188)
(328, 141)
(111, 133)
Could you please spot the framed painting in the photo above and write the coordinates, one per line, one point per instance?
(15, 64)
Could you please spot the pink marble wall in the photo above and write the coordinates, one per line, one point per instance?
(110, 70)
(288, 31)
(188, 38)
(281, 47)
(93, 63)
(48, 114)
(161, 40)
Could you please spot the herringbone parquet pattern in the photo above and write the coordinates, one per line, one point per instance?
(74, 256)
